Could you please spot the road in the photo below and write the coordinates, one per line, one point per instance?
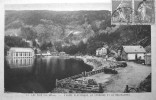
(131, 75)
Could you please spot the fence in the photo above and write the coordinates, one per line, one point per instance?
(94, 72)
(83, 74)
(131, 89)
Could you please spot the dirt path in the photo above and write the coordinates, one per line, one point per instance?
(132, 75)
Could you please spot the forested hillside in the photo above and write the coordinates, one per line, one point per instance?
(73, 31)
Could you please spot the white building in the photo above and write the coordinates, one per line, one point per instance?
(101, 51)
(63, 54)
(46, 54)
(20, 52)
(148, 59)
(133, 52)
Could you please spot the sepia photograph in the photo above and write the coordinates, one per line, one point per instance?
(74, 49)
(144, 11)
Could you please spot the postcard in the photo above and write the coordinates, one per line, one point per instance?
(78, 50)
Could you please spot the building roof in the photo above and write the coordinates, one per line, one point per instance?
(101, 48)
(18, 49)
(134, 49)
(148, 54)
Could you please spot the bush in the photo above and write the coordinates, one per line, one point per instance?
(146, 84)
(122, 64)
(92, 82)
(110, 71)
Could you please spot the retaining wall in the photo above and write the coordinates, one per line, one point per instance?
(83, 74)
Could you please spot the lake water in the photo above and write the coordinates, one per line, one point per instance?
(27, 75)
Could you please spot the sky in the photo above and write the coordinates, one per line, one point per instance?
(60, 6)
(54, 1)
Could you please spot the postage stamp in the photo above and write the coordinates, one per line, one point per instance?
(121, 11)
(144, 12)
(133, 12)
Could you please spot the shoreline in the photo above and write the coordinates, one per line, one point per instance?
(115, 83)
(97, 62)
(91, 60)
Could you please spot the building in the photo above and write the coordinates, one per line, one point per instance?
(36, 50)
(20, 52)
(47, 53)
(133, 53)
(101, 51)
(54, 53)
(63, 54)
(148, 59)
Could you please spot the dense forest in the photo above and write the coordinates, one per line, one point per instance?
(13, 41)
(74, 32)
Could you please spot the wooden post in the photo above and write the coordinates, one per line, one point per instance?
(126, 89)
(85, 73)
(100, 88)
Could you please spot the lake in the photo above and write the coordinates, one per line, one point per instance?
(27, 75)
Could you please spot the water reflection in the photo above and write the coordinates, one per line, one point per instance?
(17, 62)
(39, 74)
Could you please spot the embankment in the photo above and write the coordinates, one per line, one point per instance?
(97, 62)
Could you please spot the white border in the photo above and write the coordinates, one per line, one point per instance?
(15, 96)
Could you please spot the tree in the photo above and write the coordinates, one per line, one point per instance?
(28, 33)
(93, 46)
(13, 41)
(6, 48)
(82, 47)
(139, 30)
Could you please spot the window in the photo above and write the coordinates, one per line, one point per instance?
(21, 62)
(16, 53)
(16, 61)
(29, 61)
